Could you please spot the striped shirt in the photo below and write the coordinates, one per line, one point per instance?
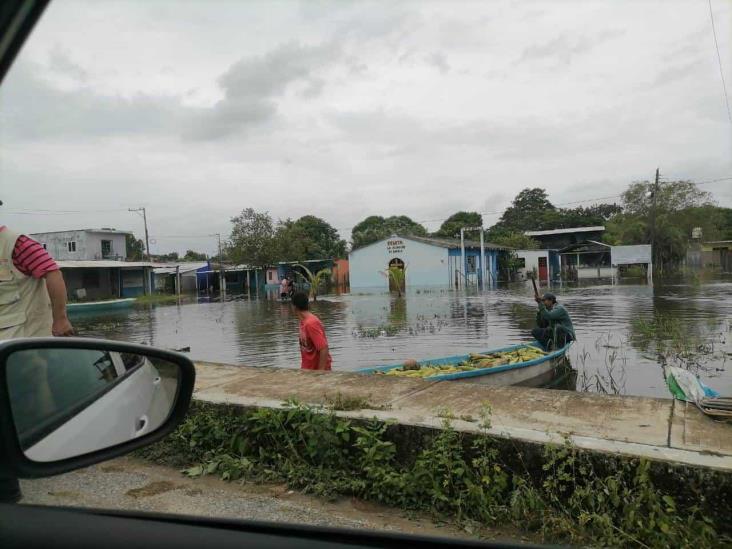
(31, 259)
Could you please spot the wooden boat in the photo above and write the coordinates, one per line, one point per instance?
(538, 372)
(100, 306)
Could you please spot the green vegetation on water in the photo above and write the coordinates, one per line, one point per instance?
(561, 494)
(155, 299)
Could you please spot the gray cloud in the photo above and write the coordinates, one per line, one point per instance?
(33, 109)
(252, 84)
(439, 61)
(36, 109)
(60, 62)
(564, 47)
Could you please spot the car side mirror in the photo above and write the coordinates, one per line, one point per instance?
(67, 403)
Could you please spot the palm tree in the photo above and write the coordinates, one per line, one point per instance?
(398, 276)
(315, 280)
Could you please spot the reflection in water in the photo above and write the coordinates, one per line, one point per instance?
(368, 330)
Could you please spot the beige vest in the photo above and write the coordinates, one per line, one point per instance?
(25, 308)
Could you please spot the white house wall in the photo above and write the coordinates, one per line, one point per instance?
(531, 259)
(88, 244)
(427, 265)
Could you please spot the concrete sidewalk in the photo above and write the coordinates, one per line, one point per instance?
(657, 429)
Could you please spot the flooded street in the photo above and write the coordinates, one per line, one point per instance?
(625, 332)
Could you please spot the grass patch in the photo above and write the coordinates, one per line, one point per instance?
(567, 496)
(341, 402)
(690, 345)
(156, 299)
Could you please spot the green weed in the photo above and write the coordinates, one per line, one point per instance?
(569, 497)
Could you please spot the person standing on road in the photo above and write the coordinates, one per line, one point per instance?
(313, 342)
(32, 304)
(554, 328)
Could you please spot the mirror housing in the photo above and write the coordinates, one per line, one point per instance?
(14, 458)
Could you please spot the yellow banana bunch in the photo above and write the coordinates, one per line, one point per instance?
(475, 362)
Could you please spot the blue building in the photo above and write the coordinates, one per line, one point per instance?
(428, 263)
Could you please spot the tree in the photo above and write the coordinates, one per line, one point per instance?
(135, 248)
(194, 256)
(308, 238)
(252, 239)
(315, 280)
(167, 258)
(450, 228)
(528, 208)
(582, 216)
(375, 228)
(515, 240)
(398, 277)
(679, 207)
(532, 211)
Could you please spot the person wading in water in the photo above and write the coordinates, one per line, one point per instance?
(313, 343)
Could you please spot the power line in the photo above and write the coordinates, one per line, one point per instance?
(719, 60)
(57, 212)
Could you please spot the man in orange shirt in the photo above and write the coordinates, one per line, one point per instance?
(313, 343)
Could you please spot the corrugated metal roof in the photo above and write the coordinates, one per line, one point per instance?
(186, 267)
(565, 231)
(584, 243)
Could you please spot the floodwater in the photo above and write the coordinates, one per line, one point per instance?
(615, 352)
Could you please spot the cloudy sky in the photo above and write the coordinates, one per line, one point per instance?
(197, 110)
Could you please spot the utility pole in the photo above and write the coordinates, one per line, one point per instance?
(222, 278)
(147, 238)
(654, 194)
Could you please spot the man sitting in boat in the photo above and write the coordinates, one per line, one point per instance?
(553, 326)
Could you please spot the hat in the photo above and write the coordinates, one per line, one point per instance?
(550, 296)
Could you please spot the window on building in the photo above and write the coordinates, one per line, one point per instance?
(72, 246)
(106, 248)
(269, 275)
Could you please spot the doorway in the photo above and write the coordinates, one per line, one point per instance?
(397, 282)
(543, 270)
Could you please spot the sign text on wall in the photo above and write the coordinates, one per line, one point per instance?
(395, 246)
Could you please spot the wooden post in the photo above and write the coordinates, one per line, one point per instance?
(462, 257)
(483, 270)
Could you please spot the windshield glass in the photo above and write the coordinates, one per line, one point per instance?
(484, 222)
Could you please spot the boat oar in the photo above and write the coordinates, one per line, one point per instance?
(536, 290)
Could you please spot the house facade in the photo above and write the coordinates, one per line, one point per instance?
(103, 279)
(591, 259)
(427, 262)
(85, 244)
(188, 272)
(543, 264)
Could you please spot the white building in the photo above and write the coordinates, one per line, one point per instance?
(188, 273)
(543, 264)
(84, 244)
(428, 262)
(592, 259)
